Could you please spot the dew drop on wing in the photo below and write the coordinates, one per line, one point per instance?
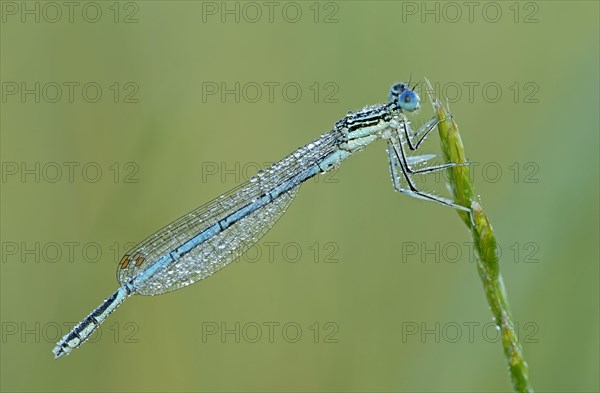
(218, 251)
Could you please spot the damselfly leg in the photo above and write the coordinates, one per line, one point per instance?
(402, 172)
(422, 133)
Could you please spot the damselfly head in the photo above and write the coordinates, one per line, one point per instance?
(402, 95)
(396, 90)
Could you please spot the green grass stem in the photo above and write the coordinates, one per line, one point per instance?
(484, 243)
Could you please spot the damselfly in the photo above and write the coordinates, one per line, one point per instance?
(205, 240)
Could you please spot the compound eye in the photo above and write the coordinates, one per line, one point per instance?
(409, 101)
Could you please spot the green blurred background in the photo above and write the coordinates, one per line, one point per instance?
(357, 288)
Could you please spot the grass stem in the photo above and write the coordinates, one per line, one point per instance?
(484, 243)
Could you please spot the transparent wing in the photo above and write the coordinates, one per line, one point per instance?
(170, 237)
(192, 266)
(218, 251)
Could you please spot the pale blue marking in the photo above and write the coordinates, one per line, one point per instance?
(333, 159)
(199, 239)
(244, 211)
